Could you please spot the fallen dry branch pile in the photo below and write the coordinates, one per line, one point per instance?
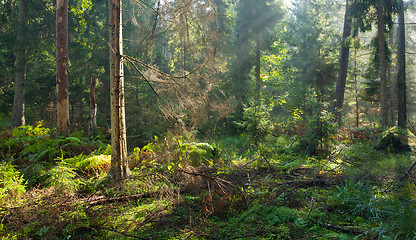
(100, 200)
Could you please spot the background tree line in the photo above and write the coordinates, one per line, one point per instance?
(198, 65)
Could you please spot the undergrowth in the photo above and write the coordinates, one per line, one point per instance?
(182, 187)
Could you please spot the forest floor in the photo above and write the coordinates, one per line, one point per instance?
(182, 188)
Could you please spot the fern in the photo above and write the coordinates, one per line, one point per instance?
(12, 185)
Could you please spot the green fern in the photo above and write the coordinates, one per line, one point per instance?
(12, 185)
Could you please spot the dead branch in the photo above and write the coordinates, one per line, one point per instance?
(102, 200)
(141, 74)
(212, 178)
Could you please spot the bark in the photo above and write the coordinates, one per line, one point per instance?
(401, 76)
(18, 115)
(383, 63)
(119, 165)
(62, 71)
(92, 120)
(343, 65)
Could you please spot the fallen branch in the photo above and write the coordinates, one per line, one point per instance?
(102, 200)
(212, 178)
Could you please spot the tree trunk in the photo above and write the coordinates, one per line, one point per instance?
(119, 166)
(92, 120)
(18, 115)
(383, 63)
(392, 83)
(343, 66)
(62, 86)
(401, 76)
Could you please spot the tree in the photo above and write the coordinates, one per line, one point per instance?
(256, 21)
(62, 68)
(92, 118)
(313, 54)
(383, 63)
(119, 168)
(18, 115)
(364, 17)
(401, 76)
(343, 65)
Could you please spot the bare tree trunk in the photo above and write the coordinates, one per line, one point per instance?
(401, 76)
(383, 63)
(18, 115)
(92, 120)
(343, 66)
(62, 85)
(119, 165)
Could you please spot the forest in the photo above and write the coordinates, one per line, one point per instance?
(207, 119)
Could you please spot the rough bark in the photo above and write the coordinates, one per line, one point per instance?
(119, 164)
(62, 71)
(401, 76)
(383, 63)
(343, 65)
(18, 115)
(92, 120)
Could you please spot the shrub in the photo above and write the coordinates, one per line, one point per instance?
(320, 135)
(257, 122)
(62, 177)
